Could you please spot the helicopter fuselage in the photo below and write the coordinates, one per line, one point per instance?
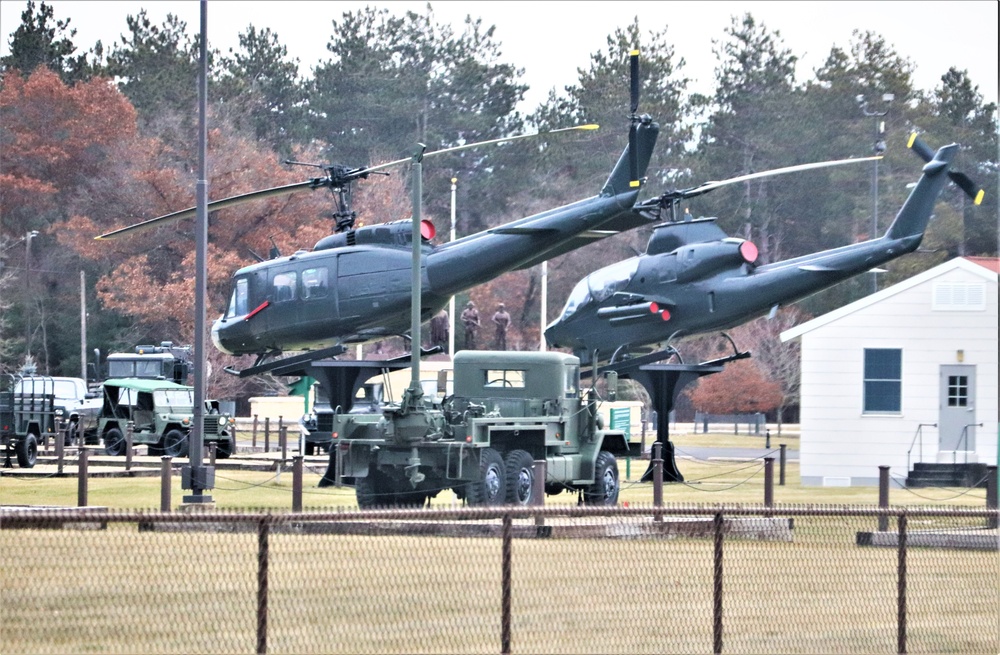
(694, 279)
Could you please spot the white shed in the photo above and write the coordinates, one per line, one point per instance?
(905, 375)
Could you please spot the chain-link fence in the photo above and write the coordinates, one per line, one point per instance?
(684, 579)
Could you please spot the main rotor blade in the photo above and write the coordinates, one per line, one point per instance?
(212, 206)
(467, 146)
(633, 65)
(313, 184)
(709, 186)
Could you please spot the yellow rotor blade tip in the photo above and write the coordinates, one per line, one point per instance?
(913, 138)
(979, 197)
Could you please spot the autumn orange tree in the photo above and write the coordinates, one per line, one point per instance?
(741, 388)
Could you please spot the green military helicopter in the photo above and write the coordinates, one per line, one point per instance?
(693, 278)
(354, 285)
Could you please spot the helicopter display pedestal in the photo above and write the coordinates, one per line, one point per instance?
(663, 382)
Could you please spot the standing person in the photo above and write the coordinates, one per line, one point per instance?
(440, 327)
(502, 319)
(470, 319)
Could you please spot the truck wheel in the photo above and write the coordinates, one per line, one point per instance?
(224, 448)
(114, 442)
(604, 491)
(520, 471)
(373, 491)
(491, 487)
(175, 443)
(27, 451)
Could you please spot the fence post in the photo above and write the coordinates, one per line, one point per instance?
(768, 482)
(538, 488)
(717, 586)
(81, 483)
(781, 465)
(283, 441)
(128, 446)
(883, 497)
(901, 587)
(658, 480)
(297, 483)
(165, 483)
(253, 437)
(263, 527)
(505, 569)
(267, 434)
(991, 495)
(60, 441)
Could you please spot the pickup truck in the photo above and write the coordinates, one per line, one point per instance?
(36, 405)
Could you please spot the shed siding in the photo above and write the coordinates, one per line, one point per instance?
(838, 439)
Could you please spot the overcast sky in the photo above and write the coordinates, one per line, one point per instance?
(551, 40)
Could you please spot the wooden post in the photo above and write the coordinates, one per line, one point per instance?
(297, 483)
(81, 485)
(658, 480)
(267, 434)
(253, 440)
(768, 482)
(165, 483)
(883, 496)
(128, 446)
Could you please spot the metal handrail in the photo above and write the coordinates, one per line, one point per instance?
(964, 438)
(919, 434)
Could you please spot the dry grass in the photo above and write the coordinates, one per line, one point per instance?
(120, 590)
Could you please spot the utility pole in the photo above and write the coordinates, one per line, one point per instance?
(878, 148)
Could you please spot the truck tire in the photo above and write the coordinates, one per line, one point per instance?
(491, 488)
(114, 442)
(175, 443)
(224, 448)
(604, 491)
(519, 467)
(27, 451)
(373, 490)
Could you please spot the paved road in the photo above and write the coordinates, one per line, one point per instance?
(708, 452)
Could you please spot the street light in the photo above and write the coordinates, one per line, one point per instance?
(878, 147)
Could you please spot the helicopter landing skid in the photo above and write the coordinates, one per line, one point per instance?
(310, 356)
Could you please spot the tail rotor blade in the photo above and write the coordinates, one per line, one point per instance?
(918, 146)
(963, 181)
(966, 184)
(633, 163)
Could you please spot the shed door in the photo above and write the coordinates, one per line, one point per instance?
(956, 429)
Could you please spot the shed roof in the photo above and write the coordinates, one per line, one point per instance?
(970, 264)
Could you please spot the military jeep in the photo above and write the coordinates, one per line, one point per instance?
(161, 415)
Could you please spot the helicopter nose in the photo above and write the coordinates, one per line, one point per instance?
(217, 340)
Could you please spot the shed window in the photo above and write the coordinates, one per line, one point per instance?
(883, 382)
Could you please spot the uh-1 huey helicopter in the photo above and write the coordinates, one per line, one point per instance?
(693, 278)
(354, 285)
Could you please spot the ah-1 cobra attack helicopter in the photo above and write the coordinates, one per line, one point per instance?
(354, 285)
(693, 278)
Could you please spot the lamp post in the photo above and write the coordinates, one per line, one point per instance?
(27, 290)
(451, 301)
(878, 148)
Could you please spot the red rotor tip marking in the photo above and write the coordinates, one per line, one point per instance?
(665, 315)
(653, 308)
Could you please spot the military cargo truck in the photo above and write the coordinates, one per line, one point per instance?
(508, 409)
(33, 406)
(161, 413)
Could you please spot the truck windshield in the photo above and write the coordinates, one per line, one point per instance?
(174, 398)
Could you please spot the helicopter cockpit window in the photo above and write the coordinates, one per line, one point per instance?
(238, 302)
(284, 287)
(614, 278)
(314, 283)
(579, 296)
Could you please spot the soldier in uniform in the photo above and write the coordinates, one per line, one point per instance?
(502, 319)
(470, 319)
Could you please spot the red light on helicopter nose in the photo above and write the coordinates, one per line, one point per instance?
(427, 230)
(749, 252)
(665, 315)
(653, 308)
